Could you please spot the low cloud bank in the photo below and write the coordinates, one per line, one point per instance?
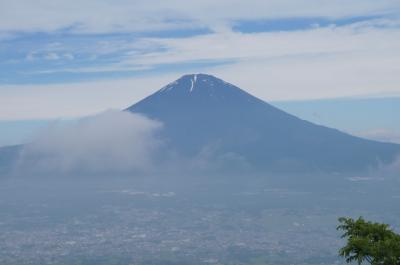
(381, 134)
(115, 143)
(112, 141)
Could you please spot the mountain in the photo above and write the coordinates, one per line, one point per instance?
(201, 112)
(8, 156)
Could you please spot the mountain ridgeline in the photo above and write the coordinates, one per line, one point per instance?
(201, 112)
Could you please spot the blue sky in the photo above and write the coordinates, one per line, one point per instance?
(331, 62)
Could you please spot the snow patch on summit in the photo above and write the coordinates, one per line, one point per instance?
(192, 85)
(184, 85)
(193, 82)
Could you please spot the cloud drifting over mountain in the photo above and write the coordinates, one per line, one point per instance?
(109, 142)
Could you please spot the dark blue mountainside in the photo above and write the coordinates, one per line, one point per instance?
(201, 111)
(8, 156)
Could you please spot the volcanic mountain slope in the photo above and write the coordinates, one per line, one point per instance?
(8, 156)
(200, 111)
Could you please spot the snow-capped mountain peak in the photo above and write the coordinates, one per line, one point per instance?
(192, 82)
(199, 111)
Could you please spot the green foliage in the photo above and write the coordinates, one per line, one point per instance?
(374, 243)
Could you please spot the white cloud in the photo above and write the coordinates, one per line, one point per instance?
(52, 56)
(381, 134)
(68, 56)
(48, 55)
(111, 141)
(317, 77)
(115, 142)
(53, 101)
(124, 15)
(358, 37)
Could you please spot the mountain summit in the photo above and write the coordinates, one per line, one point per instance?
(202, 87)
(201, 112)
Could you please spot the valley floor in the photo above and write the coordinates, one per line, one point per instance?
(145, 223)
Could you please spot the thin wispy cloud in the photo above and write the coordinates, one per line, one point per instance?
(381, 134)
(123, 16)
